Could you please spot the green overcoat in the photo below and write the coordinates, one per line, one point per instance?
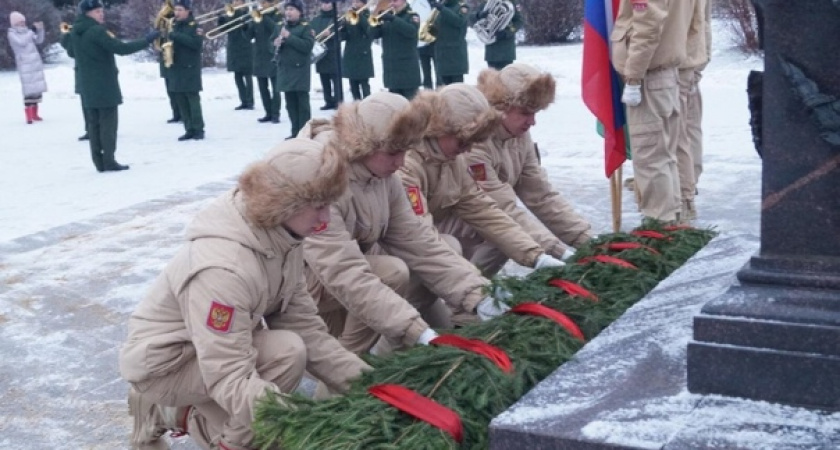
(67, 44)
(327, 64)
(261, 33)
(185, 73)
(293, 72)
(450, 29)
(97, 74)
(400, 62)
(504, 49)
(240, 51)
(357, 61)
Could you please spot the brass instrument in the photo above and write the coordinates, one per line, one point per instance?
(227, 10)
(499, 14)
(257, 14)
(425, 33)
(236, 23)
(328, 32)
(352, 16)
(65, 27)
(163, 23)
(376, 20)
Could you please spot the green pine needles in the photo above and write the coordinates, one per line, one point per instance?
(470, 384)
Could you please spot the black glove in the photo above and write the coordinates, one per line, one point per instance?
(152, 35)
(503, 34)
(435, 4)
(482, 14)
(388, 17)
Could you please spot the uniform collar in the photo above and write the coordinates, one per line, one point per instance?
(360, 173)
(431, 152)
(272, 241)
(502, 134)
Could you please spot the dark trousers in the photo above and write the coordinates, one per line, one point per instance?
(85, 118)
(427, 56)
(102, 130)
(189, 103)
(176, 113)
(359, 89)
(452, 79)
(498, 65)
(297, 105)
(270, 97)
(329, 83)
(245, 86)
(407, 93)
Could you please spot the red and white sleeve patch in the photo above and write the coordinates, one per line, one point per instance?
(478, 172)
(415, 199)
(220, 317)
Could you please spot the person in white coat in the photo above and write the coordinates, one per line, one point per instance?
(28, 61)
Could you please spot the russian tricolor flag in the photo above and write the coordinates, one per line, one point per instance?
(600, 82)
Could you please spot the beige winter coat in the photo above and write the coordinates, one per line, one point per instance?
(650, 35)
(699, 47)
(376, 211)
(441, 188)
(211, 297)
(507, 169)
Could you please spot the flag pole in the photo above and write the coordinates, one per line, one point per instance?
(615, 198)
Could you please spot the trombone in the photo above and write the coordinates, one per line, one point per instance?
(328, 32)
(227, 10)
(256, 15)
(376, 20)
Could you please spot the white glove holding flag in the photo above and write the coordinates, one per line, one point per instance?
(632, 95)
(427, 336)
(489, 308)
(545, 260)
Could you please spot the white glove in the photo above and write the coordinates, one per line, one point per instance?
(545, 260)
(568, 253)
(632, 95)
(490, 308)
(427, 336)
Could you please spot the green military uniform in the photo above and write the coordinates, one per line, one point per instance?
(327, 66)
(98, 83)
(185, 75)
(450, 29)
(240, 59)
(400, 62)
(67, 44)
(293, 73)
(357, 61)
(173, 105)
(265, 68)
(503, 51)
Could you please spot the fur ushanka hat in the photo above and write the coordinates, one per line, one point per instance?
(295, 174)
(460, 110)
(382, 122)
(517, 85)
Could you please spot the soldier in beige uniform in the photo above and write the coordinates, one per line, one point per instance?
(690, 144)
(648, 45)
(438, 182)
(506, 167)
(377, 269)
(230, 317)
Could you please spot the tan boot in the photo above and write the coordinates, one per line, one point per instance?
(152, 421)
(687, 210)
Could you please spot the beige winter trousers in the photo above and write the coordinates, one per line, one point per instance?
(690, 143)
(654, 131)
(281, 359)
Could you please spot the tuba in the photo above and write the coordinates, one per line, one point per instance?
(499, 15)
(426, 33)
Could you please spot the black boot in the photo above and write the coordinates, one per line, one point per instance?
(186, 137)
(98, 162)
(265, 119)
(275, 119)
(174, 120)
(329, 106)
(198, 135)
(115, 167)
(84, 137)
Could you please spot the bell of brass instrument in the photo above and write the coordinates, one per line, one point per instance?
(163, 23)
(499, 15)
(376, 20)
(65, 27)
(425, 32)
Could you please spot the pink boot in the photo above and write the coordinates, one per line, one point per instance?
(29, 113)
(35, 115)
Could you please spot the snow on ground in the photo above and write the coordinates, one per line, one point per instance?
(78, 248)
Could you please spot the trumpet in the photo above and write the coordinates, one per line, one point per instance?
(353, 16)
(257, 14)
(65, 27)
(225, 28)
(376, 20)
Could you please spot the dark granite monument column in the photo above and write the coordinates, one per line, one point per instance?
(776, 336)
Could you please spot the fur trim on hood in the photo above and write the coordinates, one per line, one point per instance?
(296, 173)
(460, 110)
(382, 122)
(517, 85)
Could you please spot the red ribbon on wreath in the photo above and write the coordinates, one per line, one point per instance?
(606, 259)
(536, 309)
(621, 246)
(493, 353)
(650, 234)
(420, 407)
(573, 289)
